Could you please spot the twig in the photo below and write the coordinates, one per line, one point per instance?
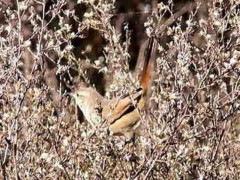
(187, 8)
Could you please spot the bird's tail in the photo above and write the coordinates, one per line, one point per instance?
(150, 55)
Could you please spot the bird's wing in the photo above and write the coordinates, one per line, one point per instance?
(123, 106)
(126, 123)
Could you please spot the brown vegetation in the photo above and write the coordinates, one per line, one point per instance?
(191, 126)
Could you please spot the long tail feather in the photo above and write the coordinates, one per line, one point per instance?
(150, 55)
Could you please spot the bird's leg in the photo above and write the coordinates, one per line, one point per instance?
(132, 140)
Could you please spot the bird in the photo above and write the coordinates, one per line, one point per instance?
(121, 116)
(87, 99)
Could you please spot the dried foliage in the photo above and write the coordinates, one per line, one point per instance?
(191, 128)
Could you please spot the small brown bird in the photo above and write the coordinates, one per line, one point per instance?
(121, 116)
(88, 100)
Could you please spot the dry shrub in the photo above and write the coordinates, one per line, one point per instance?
(191, 128)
